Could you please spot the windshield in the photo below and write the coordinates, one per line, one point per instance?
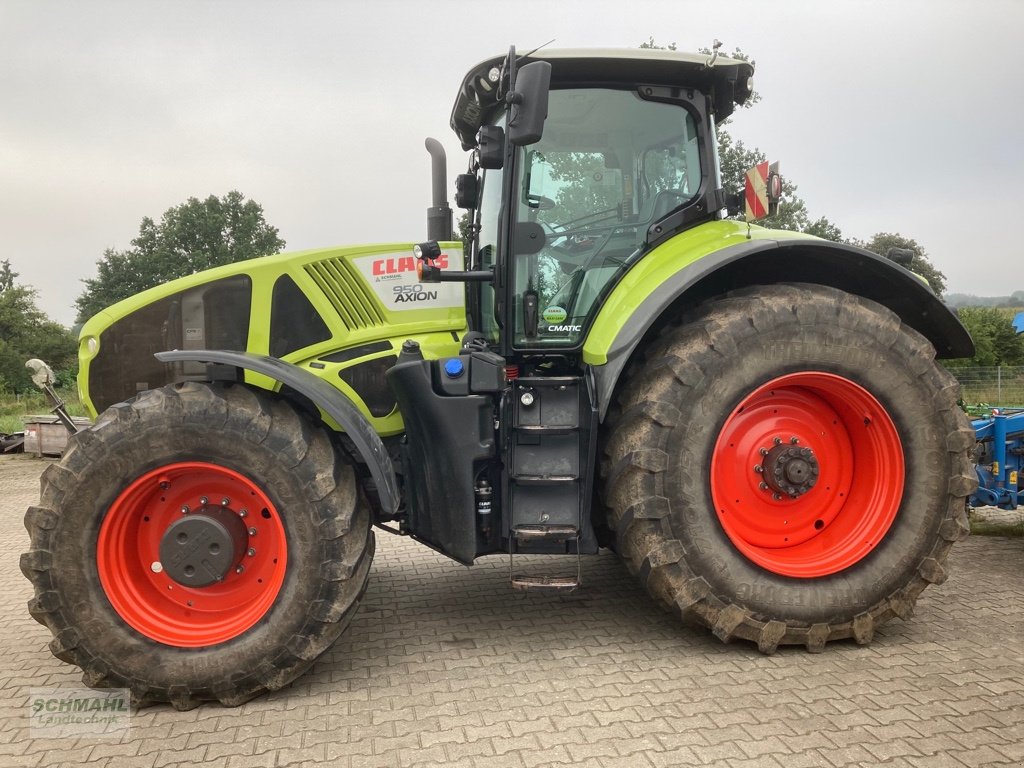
(608, 166)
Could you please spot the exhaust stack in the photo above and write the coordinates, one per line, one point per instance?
(439, 214)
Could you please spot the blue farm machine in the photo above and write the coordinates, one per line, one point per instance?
(999, 452)
(999, 459)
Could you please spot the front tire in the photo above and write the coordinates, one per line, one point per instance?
(789, 466)
(201, 542)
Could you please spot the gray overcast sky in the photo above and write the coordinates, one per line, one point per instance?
(889, 116)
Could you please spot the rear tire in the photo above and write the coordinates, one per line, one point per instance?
(692, 472)
(300, 552)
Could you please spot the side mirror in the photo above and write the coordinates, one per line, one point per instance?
(529, 103)
(467, 191)
(491, 146)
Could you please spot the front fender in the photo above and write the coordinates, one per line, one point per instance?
(720, 256)
(332, 401)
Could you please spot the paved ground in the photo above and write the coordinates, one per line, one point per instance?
(445, 666)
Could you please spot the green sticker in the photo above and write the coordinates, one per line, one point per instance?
(554, 315)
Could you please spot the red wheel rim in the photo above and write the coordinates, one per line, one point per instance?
(158, 606)
(826, 513)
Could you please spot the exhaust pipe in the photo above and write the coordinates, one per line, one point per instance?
(439, 214)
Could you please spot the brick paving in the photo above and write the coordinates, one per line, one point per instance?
(445, 665)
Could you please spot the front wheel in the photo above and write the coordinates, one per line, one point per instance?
(789, 466)
(198, 543)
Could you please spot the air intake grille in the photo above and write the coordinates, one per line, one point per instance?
(351, 298)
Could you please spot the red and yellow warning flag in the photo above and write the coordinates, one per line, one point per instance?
(763, 191)
(756, 193)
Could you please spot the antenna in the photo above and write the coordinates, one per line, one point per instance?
(714, 53)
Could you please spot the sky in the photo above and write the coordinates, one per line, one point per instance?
(895, 116)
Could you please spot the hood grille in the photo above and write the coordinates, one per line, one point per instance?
(351, 298)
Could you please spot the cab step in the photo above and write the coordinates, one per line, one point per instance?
(555, 534)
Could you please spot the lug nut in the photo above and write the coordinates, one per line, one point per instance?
(243, 512)
(225, 501)
(251, 552)
(156, 566)
(758, 468)
(763, 486)
(184, 509)
(240, 569)
(777, 440)
(794, 440)
(203, 501)
(252, 531)
(763, 451)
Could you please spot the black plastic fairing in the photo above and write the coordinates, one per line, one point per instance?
(449, 437)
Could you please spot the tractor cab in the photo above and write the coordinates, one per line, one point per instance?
(582, 161)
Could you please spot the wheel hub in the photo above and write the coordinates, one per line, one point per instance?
(790, 469)
(199, 549)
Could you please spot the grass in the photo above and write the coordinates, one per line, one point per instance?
(14, 408)
(986, 521)
(1012, 529)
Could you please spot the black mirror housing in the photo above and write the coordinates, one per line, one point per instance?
(491, 146)
(467, 191)
(529, 103)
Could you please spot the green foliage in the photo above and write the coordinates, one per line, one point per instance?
(996, 341)
(191, 237)
(7, 276)
(882, 242)
(25, 332)
(465, 221)
(825, 229)
(653, 45)
(14, 408)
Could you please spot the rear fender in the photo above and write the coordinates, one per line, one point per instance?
(333, 402)
(652, 294)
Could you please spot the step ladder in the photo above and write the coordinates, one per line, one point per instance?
(545, 476)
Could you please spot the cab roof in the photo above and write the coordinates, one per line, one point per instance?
(726, 81)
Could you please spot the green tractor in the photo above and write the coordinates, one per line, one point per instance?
(752, 419)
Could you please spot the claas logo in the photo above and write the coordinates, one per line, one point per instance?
(396, 266)
(763, 191)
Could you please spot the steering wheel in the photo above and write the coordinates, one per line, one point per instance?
(539, 202)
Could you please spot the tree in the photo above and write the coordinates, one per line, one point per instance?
(996, 341)
(7, 276)
(882, 242)
(25, 332)
(191, 237)
(825, 229)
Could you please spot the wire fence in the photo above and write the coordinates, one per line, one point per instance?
(999, 386)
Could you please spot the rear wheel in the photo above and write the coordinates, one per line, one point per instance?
(198, 543)
(789, 466)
